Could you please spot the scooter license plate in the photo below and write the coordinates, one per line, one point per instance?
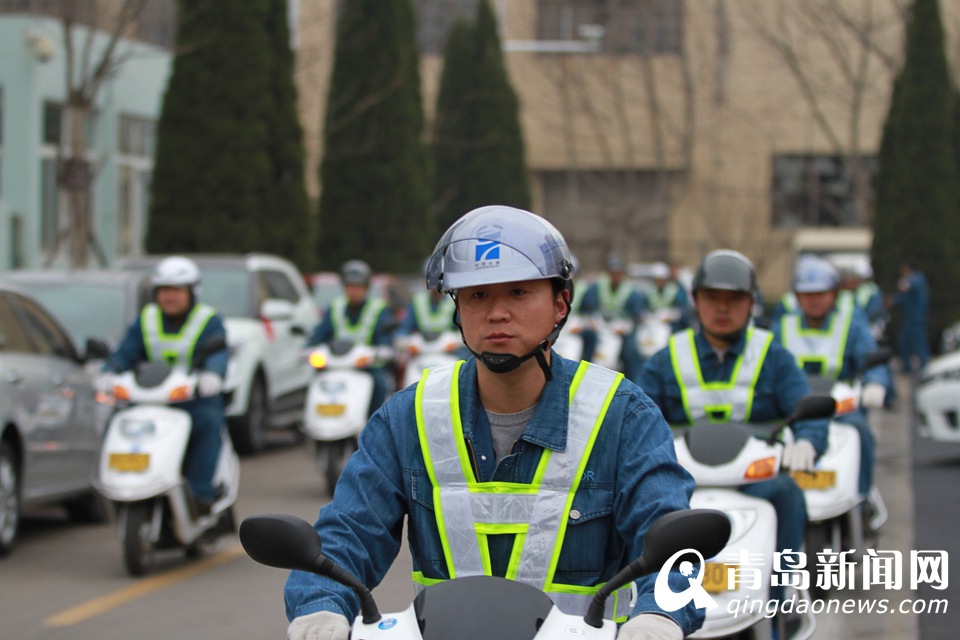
(716, 577)
(818, 479)
(129, 462)
(331, 410)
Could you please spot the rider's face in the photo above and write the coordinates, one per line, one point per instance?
(815, 306)
(356, 293)
(173, 301)
(511, 317)
(723, 313)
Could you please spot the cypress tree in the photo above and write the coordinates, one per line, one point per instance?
(374, 174)
(229, 165)
(478, 126)
(918, 198)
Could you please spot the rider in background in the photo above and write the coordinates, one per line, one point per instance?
(169, 329)
(832, 339)
(667, 293)
(613, 297)
(361, 319)
(730, 370)
(913, 300)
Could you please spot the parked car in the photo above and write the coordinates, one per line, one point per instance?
(938, 399)
(269, 313)
(90, 303)
(50, 423)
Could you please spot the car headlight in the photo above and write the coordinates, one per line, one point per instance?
(138, 429)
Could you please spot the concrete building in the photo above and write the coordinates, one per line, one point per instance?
(35, 135)
(661, 129)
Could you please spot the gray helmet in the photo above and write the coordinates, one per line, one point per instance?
(727, 270)
(497, 244)
(355, 272)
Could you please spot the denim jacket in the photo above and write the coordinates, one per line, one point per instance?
(631, 479)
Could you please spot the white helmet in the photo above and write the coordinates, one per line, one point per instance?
(814, 275)
(497, 244)
(176, 271)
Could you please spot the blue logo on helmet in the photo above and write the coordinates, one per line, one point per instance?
(487, 250)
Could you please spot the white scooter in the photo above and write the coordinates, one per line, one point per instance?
(426, 350)
(721, 457)
(480, 607)
(569, 343)
(338, 402)
(140, 468)
(610, 336)
(654, 331)
(832, 489)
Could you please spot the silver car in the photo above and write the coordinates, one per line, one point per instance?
(50, 422)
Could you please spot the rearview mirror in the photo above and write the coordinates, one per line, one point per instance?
(276, 310)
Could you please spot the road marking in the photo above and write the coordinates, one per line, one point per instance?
(97, 606)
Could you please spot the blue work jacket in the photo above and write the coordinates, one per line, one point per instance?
(631, 478)
(780, 385)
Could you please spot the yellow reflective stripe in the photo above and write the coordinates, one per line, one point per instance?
(462, 453)
(678, 374)
(145, 330)
(431, 472)
(578, 476)
(421, 579)
(505, 488)
(756, 373)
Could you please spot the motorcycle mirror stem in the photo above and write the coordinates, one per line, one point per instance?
(288, 542)
(705, 530)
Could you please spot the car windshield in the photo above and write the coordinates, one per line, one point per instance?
(86, 310)
(228, 290)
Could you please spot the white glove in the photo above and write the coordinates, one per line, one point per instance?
(799, 456)
(322, 625)
(873, 395)
(650, 626)
(209, 384)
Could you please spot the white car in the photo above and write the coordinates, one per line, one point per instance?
(938, 399)
(269, 314)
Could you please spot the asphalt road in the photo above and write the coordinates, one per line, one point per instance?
(68, 581)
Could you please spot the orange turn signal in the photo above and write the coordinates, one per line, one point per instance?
(121, 393)
(846, 405)
(363, 362)
(413, 349)
(760, 469)
(179, 394)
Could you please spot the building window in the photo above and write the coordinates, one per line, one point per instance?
(627, 26)
(816, 190)
(134, 170)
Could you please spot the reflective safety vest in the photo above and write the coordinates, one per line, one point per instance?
(173, 348)
(721, 401)
(865, 292)
(467, 511)
(824, 347)
(658, 300)
(612, 303)
(429, 320)
(362, 331)
(789, 302)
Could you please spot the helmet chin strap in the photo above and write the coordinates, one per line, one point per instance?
(507, 362)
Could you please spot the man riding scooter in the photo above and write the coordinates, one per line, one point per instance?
(169, 330)
(832, 340)
(361, 319)
(732, 371)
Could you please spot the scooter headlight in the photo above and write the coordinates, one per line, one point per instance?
(138, 429)
(318, 359)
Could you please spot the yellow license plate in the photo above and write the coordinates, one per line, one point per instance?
(331, 410)
(818, 479)
(129, 462)
(716, 577)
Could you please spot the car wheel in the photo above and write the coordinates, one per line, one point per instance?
(137, 546)
(246, 431)
(9, 498)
